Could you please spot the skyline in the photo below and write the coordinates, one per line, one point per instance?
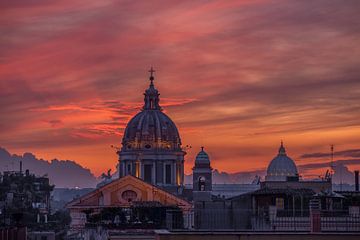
(258, 72)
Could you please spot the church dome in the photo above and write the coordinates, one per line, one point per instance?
(151, 128)
(281, 167)
(202, 159)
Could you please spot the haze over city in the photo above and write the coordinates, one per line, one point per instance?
(235, 76)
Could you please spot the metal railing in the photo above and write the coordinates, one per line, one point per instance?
(247, 220)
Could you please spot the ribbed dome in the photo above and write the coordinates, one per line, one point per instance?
(202, 157)
(281, 167)
(151, 128)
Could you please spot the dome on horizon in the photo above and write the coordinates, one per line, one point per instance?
(281, 167)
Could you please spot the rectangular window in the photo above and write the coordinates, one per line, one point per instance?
(168, 174)
(148, 173)
(280, 203)
(129, 169)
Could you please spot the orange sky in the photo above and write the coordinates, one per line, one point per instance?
(235, 76)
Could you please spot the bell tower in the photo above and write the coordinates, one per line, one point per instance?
(202, 177)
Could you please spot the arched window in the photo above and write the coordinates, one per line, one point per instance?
(201, 186)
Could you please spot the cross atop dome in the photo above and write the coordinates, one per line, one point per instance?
(151, 71)
(151, 94)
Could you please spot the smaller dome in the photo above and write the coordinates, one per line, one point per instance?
(281, 167)
(202, 157)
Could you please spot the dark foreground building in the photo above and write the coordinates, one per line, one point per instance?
(24, 198)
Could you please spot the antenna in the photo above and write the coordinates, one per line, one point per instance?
(332, 159)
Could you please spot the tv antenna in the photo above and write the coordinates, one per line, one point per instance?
(332, 168)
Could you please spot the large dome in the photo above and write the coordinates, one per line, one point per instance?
(151, 129)
(281, 167)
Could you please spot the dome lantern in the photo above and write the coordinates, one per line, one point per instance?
(151, 98)
(151, 129)
(282, 150)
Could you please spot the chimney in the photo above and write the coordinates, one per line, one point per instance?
(357, 180)
(20, 166)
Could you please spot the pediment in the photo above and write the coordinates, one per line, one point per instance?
(124, 191)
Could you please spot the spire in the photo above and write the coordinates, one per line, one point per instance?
(282, 150)
(202, 148)
(151, 94)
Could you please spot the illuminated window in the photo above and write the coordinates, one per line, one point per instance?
(279, 203)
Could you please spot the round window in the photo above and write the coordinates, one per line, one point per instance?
(147, 146)
(129, 195)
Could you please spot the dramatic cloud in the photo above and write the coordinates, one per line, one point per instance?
(235, 76)
(347, 153)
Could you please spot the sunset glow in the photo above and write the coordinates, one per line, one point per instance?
(235, 76)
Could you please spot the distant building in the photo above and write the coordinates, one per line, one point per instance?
(282, 188)
(282, 168)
